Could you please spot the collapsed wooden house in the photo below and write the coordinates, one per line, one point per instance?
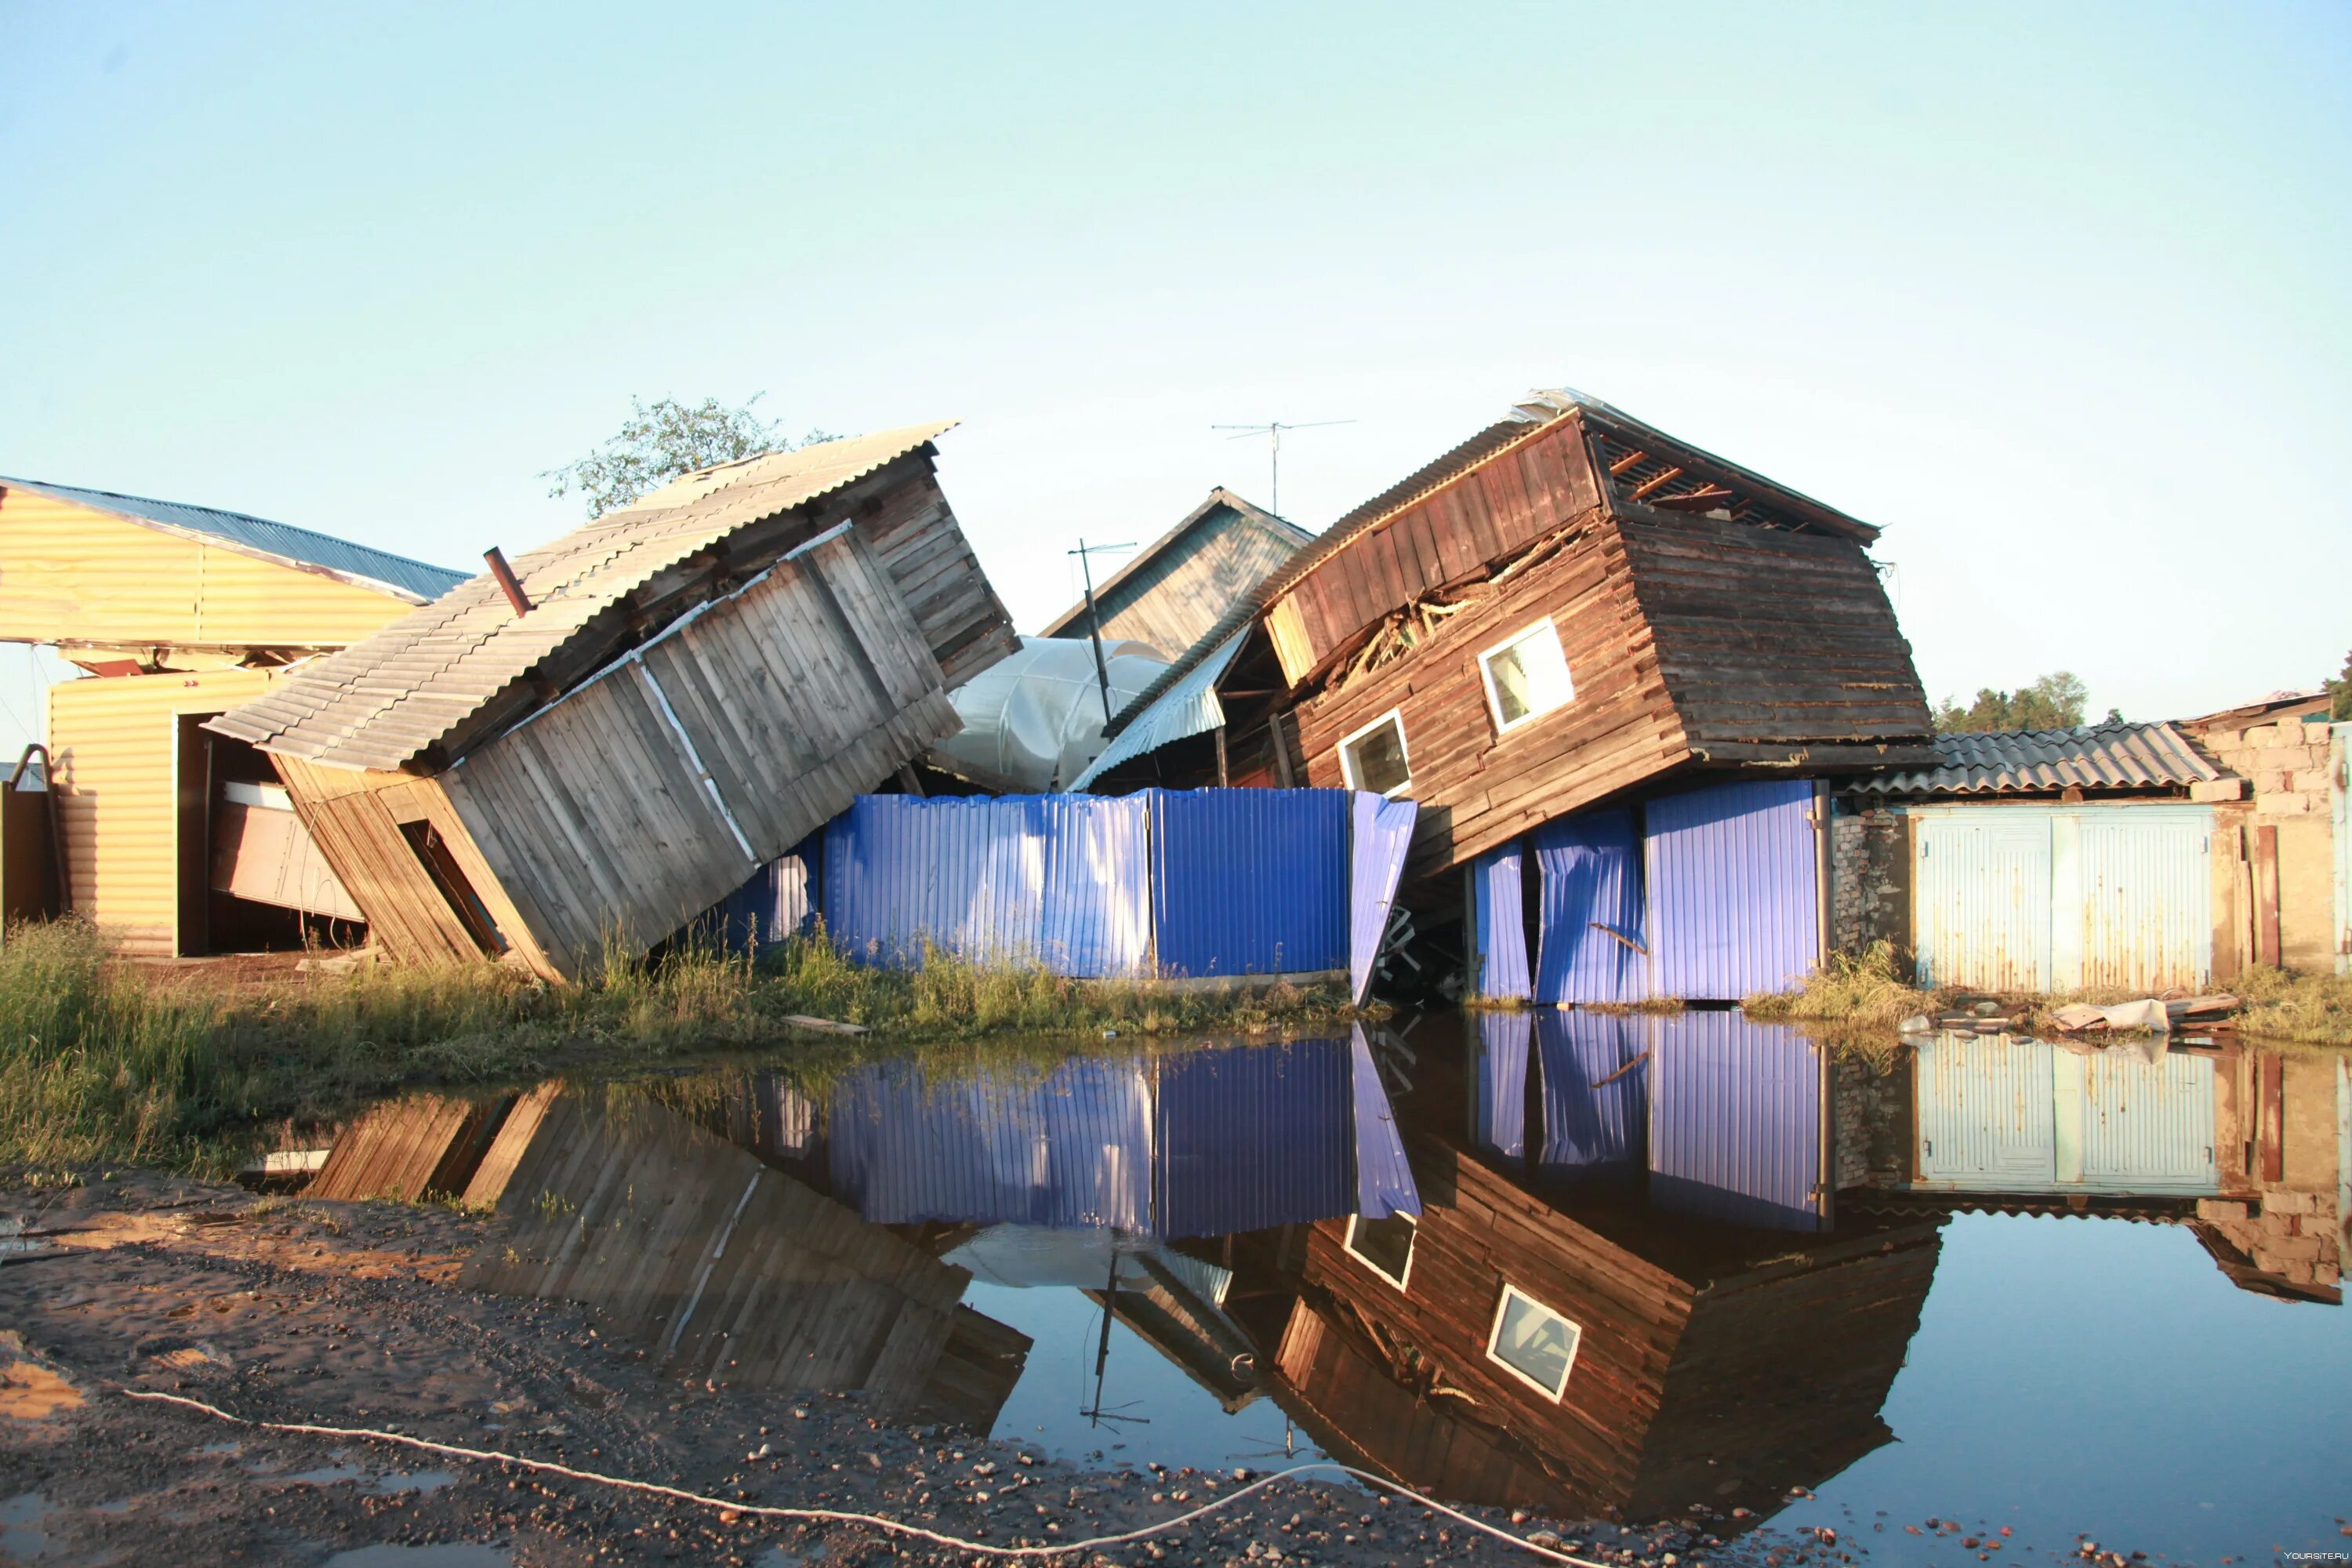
(657, 705)
(1570, 607)
(179, 841)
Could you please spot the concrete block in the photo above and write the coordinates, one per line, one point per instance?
(2299, 1274)
(2225, 740)
(2288, 1249)
(2282, 1201)
(2315, 732)
(2219, 1209)
(2264, 735)
(2218, 789)
(2269, 781)
(2283, 804)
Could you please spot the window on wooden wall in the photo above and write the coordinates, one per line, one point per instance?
(1374, 758)
(440, 865)
(1526, 675)
(1383, 1245)
(1532, 1343)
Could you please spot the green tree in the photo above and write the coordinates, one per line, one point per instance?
(2055, 701)
(2339, 692)
(664, 439)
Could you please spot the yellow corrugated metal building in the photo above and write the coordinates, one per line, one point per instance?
(177, 612)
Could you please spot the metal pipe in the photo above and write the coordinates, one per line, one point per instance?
(507, 580)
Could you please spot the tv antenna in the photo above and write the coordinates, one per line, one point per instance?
(1085, 553)
(1272, 430)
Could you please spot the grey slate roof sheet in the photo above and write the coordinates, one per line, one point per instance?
(259, 535)
(378, 704)
(2102, 756)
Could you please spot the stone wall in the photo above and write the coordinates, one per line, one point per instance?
(1870, 878)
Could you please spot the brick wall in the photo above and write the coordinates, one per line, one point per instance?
(2285, 767)
(2296, 1236)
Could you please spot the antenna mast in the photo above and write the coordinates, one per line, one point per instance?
(1272, 430)
(1085, 553)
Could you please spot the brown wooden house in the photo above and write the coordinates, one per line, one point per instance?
(661, 702)
(1567, 606)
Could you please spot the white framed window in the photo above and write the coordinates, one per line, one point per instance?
(1374, 757)
(1383, 1245)
(1532, 1343)
(1526, 677)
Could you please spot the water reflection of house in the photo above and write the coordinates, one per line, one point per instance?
(720, 1265)
(2241, 1144)
(179, 841)
(1545, 1333)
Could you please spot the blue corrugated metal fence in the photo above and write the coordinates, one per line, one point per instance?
(1379, 833)
(1249, 881)
(1593, 943)
(1594, 1094)
(1498, 926)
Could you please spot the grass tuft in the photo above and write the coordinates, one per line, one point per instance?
(1864, 990)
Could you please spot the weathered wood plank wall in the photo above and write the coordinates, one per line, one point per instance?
(1477, 790)
(637, 801)
(356, 820)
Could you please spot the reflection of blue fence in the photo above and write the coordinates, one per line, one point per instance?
(1171, 883)
(1206, 1142)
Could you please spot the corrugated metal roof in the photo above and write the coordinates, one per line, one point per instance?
(380, 702)
(272, 541)
(1185, 707)
(2098, 756)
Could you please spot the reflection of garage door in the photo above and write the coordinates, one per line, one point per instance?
(2035, 897)
(2147, 1127)
(1986, 1122)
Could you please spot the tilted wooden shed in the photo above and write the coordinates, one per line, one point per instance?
(700, 682)
(177, 841)
(1567, 606)
(1173, 591)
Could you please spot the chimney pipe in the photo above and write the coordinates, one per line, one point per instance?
(505, 574)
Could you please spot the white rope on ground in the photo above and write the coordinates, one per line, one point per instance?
(838, 1516)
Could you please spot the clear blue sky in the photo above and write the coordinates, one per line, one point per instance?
(2055, 295)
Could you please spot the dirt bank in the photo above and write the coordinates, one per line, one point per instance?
(346, 1314)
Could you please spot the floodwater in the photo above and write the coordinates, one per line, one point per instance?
(1593, 1265)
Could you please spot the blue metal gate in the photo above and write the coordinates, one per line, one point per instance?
(1735, 903)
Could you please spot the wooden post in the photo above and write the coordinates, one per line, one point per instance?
(1222, 782)
(1281, 751)
(2270, 1117)
(2266, 896)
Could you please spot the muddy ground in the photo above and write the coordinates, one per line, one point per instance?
(347, 1314)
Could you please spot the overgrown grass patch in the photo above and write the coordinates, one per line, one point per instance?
(2314, 1009)
(1864, 990)
(103, 1062)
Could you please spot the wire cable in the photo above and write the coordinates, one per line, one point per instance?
(841, 1516)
